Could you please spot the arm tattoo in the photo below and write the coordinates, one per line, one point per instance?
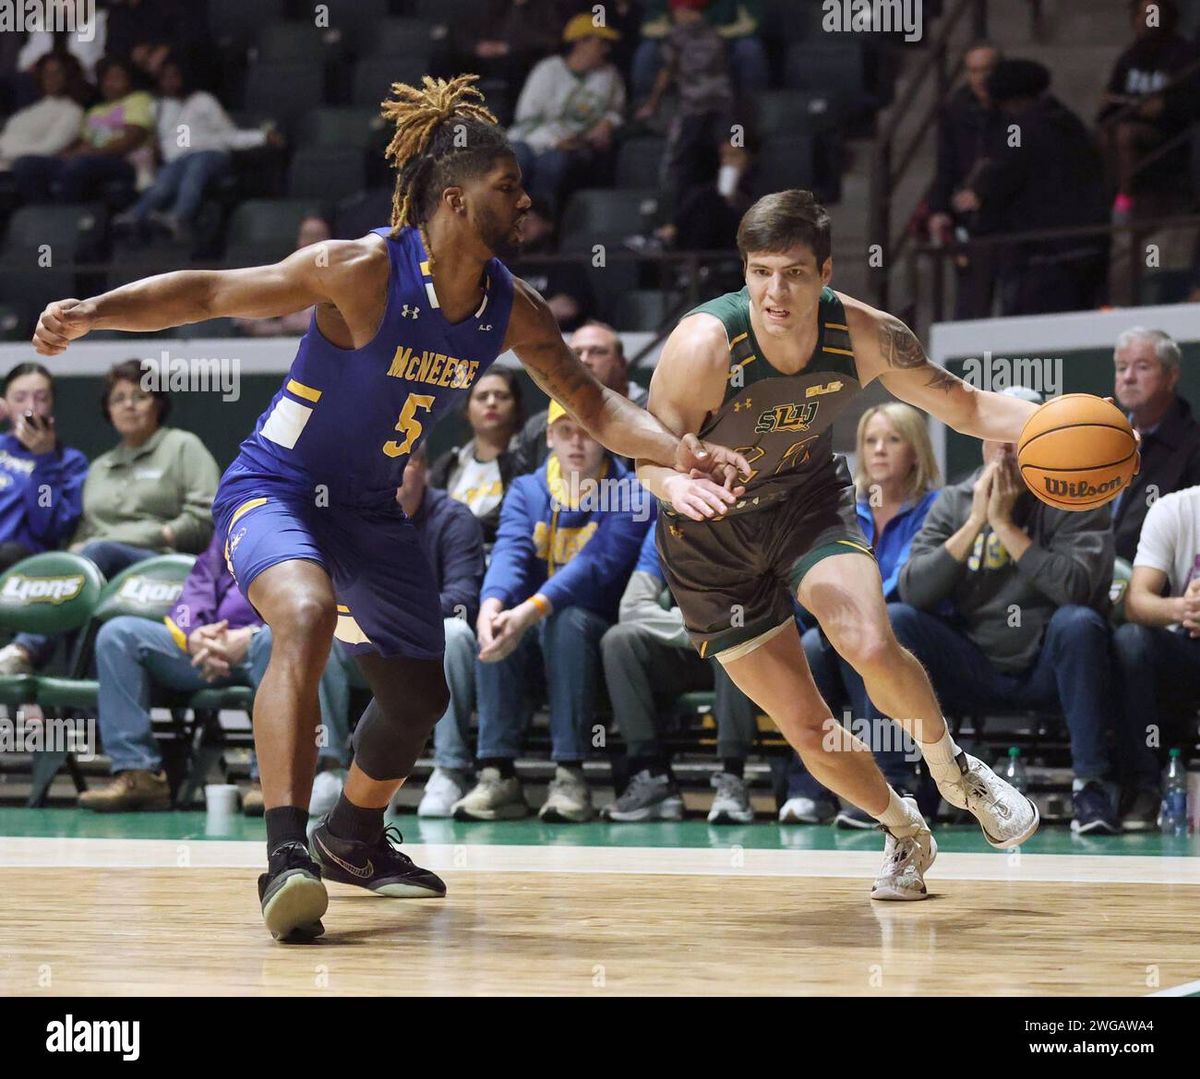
(900, 349)
(899, 346)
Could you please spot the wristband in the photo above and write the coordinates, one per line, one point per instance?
(541, 604)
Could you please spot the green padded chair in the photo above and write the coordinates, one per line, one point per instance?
(49, 593)
(1122, 572)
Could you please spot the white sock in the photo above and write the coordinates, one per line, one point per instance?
(939, 756)
(899, 817)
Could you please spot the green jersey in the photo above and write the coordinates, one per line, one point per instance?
(781, 423)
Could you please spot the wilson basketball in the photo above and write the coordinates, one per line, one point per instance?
(1077, 452)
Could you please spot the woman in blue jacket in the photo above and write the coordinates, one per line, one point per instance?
(41, 480)
(897, 480)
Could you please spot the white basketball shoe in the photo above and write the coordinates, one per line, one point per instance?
(905, 859)
(1008, 818)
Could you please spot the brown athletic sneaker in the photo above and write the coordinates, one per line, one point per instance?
(128, 791)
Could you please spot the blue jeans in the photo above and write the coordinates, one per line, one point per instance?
(842, 686)
(78, 178)
(1072, 672)
(747, 59)
(1153, 663)
(563, 653)
(451, 736)
(135, 654)
(110, 558)
(180, 185)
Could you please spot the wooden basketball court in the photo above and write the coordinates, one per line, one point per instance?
(567, 915)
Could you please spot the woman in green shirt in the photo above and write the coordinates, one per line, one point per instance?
(151, 494)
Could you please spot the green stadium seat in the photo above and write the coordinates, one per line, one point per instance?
(374, 75)
(264, 230)
(64, 233)
(285, 91)
(639, 161)
(327, 172)
(334, 125)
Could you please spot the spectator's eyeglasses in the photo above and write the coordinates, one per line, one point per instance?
(134, 399)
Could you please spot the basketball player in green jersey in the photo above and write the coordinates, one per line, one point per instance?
(767, 370)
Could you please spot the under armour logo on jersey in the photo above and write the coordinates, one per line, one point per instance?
(410, 312)
(739, 405)
(483, 328)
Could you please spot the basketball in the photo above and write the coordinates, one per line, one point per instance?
(1077, 452)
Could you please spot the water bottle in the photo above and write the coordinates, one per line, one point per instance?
(1014, 770)
(1173, 818)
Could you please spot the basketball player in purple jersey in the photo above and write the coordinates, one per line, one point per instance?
(407, 319)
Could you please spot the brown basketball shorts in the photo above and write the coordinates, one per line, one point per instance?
(735, 579)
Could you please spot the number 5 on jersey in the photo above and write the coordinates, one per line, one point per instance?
(408, 425)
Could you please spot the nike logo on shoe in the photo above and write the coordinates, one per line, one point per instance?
(351, 869)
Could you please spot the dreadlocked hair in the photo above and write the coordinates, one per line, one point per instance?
(444, 134)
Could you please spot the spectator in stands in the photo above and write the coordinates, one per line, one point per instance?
(1146, 384)
(564, 285)
(896, 481)
(569, 537)
(969, 126)
(696, 66)
(452, 541)
(148, 31)
(194, 138)
(648, 663)
(599, 346)
(49, 126)
(151, 494)
(86, 42)
(1002, 601)
(737, 22)
(1140, 109)
(313, 230)
(1158, 649)
(479, 472)
(41, 480)
(503, 39)
(1049, 178)
(112, 144)
(568, 111)
(212, 637)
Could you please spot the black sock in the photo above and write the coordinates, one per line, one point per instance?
(735, 766)
(348, 821)
(286, 824)
(504, 765)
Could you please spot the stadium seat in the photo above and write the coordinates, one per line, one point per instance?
(326, 172)
(293, 43)
(783, 112)
(66, 233)
(784, 162)
(264, 230)
(27, 292)
(235, 23)
(790, 20)
(829, 67)
(604, 215)
(355, 19)
(286, 91)
(639, 161)
(643, 309)
(402, 37)
(373, 77)
(335, 125)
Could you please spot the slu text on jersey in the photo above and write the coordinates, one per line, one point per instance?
(432, 368)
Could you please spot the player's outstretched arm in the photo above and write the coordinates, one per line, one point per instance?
(321, 273)
(611, 419)
(885, 348)
(688, 384)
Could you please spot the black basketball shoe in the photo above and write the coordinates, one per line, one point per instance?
(292, 895)
(377, 866)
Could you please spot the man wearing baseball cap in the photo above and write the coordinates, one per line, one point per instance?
(568, 109)
(568, 540)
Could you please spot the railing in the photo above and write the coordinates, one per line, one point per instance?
(984, 246)
(891, 159)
